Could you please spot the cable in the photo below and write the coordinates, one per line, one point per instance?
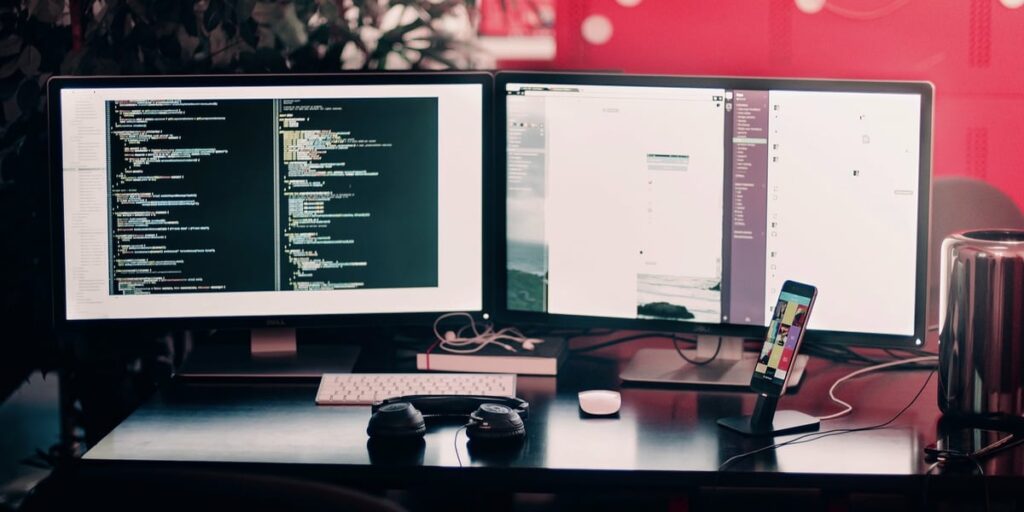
(675, 344)
(455, 444)
(841, 354)
(828, 433)
(459, 342)
(849, 408)
(624, 339)
(913, 351)
(924, 488)
(894, 352)
(615, 341)
(891, 352)
(589, 332)
(984, 483)
(844, 354)
(948, 457)
(635, 337)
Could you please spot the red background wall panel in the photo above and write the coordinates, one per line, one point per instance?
(972, 50)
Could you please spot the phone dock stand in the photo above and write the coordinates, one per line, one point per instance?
(766, 421)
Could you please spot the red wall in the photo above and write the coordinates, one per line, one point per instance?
(972, 50)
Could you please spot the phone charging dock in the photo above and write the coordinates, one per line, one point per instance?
(783, 422)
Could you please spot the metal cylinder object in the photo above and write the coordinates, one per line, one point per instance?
(981, 331)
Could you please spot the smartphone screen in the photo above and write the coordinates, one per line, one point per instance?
(789, 318)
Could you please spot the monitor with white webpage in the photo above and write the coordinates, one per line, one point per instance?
(682, 204)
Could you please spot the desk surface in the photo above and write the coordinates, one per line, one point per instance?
(659, 434)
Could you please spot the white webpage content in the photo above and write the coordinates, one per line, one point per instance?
(634, 199)
(87, 212)
(633, 203)
(843, 174)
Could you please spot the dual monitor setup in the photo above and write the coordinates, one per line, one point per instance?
(559, 199)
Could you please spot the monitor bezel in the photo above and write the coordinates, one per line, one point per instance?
(59, 83)
(499, 300)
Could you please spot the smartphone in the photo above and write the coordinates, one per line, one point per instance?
(786, 329)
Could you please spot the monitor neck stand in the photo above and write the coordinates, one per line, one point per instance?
(271, 353)
(273, 342)
(731, 367)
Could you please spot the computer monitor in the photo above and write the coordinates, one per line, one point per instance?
(268, 201)
(683, 204)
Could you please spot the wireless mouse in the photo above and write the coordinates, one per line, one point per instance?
(600, 402)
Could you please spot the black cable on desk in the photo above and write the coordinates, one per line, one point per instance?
(924, 490)
(617, 341)
(984, 483)
(844, 354)
(455, 444)
(675, 344)
(839, 354)
(814, 436)
(636, 337)
(974, 459)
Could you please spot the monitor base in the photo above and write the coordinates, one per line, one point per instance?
(732, 368)
(271, 353)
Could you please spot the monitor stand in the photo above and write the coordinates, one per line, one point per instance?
(731, 368)
(271, 353)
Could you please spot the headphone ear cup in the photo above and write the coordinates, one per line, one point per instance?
(399, 420)
(494, 422)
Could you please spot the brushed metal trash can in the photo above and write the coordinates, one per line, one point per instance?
(981, 330)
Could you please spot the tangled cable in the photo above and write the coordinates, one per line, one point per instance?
(471, 338)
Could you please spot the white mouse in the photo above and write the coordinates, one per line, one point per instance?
(600, 402)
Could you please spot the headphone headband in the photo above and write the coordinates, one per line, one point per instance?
(455, 405)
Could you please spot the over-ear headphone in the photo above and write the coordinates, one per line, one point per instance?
(491, 418)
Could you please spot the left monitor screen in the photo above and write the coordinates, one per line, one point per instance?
(267, 201)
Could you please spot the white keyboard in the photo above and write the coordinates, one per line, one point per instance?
(367, 388)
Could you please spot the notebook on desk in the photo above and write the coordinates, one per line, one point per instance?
(543, 360)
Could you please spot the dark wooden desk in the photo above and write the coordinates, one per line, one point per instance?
(664, 439)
